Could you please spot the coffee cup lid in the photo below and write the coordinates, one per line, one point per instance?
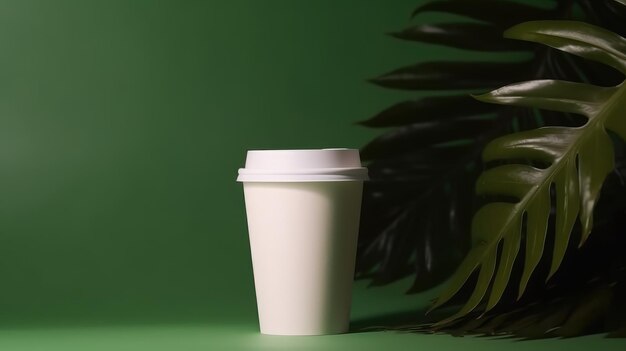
(308, 165)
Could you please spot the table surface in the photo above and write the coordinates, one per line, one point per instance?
(371, 306)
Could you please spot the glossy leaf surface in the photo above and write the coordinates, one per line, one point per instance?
(578, 160)
(417, 209)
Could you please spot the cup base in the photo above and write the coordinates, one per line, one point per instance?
(303, 333)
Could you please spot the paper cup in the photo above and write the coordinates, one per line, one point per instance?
(303, 209)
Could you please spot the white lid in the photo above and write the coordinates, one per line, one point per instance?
(318, 165)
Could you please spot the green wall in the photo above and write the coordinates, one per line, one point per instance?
(123, 123)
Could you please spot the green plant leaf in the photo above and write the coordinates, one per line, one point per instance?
(461, 36)
(608, 14)
(622, 2)
(420, 135)
(429, 109)
(573, 160)
(488, 10)
(452, 75)
(578, 38)
(441, 177)
(592, 299)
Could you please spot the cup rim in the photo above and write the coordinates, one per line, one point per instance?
(299, 175)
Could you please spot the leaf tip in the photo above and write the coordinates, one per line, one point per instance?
(416, 12)
(363, 123)
(517, 31)
(481, 97)
(442, 323)
(551, 274)
(510, 33)
(585, 235)
(521, 291)
(430, 309)
(491, 303)
(435, 304)
(553, 269)
(375, 81)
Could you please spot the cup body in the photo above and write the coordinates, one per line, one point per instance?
(303, 239)
(303, 244)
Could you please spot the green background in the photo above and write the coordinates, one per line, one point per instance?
(122, 125)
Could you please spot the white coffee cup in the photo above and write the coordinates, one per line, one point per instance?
(303, 209)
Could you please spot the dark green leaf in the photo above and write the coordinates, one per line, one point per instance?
(587, 313)
(568, 207)
(429, 109)
(397, 244)
(510, 250)
(435, 258)
(398, 180)
(420, 135)
(461, 36)
(578, 38)
(621, 2)
(605, 13)
(485, 275)
(550, 319)
(561, 148)
(501, 12)
(551, 95)
(452, 75)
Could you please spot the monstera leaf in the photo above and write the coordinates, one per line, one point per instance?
(417, 208)
(418, 205)
(571, 162)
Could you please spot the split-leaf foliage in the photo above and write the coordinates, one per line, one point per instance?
(543, 176)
